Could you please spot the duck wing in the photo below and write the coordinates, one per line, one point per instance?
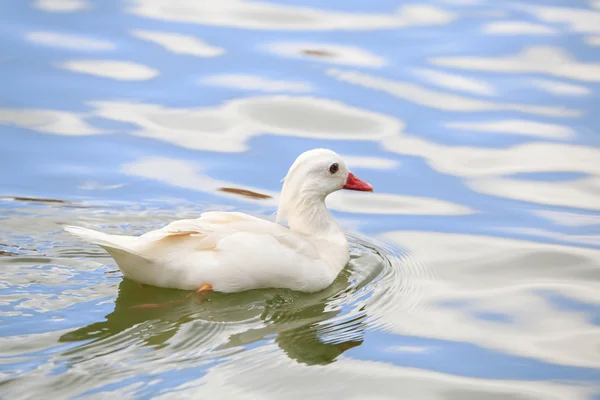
(214, 225)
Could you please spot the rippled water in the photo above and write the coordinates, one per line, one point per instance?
(475, 268)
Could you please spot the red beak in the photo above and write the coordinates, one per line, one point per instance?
(353, 183)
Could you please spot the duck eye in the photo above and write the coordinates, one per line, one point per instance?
(334, 168)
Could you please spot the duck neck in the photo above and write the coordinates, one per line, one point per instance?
(306, 213)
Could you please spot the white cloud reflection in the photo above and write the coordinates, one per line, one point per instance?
(517, 28)
(535, 59)
(370, 162)
(593, 40)
(270, 16)
(456, 82)
(500, 277)
(61, 6)
(256, 82)
(560, 88)
(188, 175)
(464, 2)
(393, 204)
(224, 128)
(48, 121)
(117, 70)
(441, 100)
(516, 127)
(484, 168)
(578, 19)
(582, 193)
(586, 240)
(567, 218)
(353, 379)
(69, 41)
(179, 43)
(229, 126)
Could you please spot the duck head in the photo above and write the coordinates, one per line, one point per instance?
(312, 177)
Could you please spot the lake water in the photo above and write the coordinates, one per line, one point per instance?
(475, 270)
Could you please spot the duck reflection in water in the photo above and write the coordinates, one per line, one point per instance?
(299, 321)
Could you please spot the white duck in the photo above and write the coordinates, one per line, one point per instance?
(233, 252)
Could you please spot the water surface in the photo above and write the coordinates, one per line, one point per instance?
(475, 269)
